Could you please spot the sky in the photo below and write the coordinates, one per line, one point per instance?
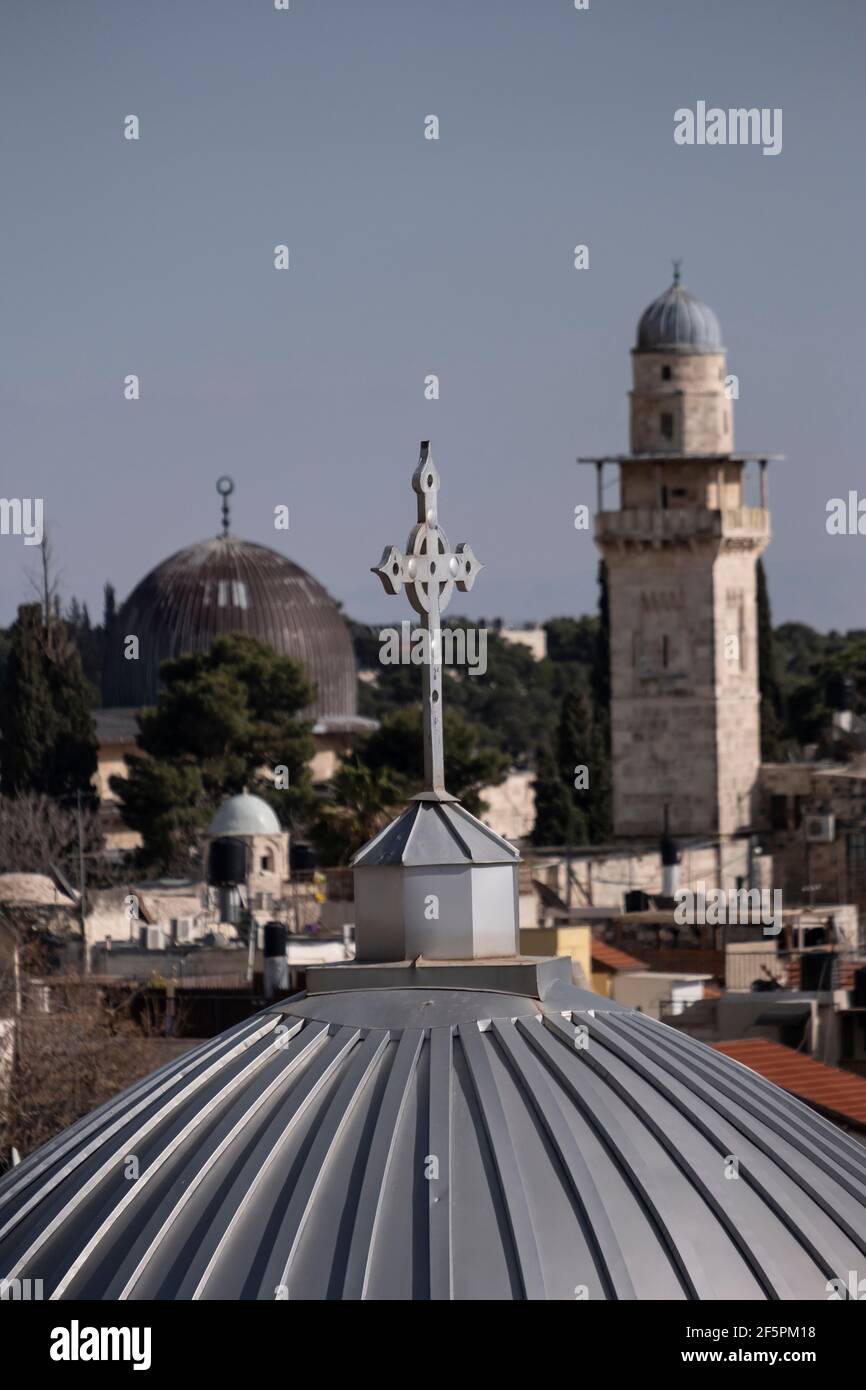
(410, 257)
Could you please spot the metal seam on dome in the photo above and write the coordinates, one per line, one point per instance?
(761, 1089)
(601, 1239)
(188, 1123)
(199, 1163)
(326, 1057)
(595, 1110)
(774, 1285)
(380, 1155)
(364, 1060)
(439, 1142)
(677, 1157)
(511, 1182)
(216, 1056)
(106, 1165)
(822, 1201)
(765, 1091)
(763, 1112)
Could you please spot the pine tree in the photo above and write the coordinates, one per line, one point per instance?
(224, 720)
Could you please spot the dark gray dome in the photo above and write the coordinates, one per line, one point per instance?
(228, 585)
(677, 322)
(442, 1143)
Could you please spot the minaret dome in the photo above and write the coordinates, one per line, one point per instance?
(679, 401)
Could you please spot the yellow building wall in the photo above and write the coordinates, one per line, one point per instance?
(575, 942)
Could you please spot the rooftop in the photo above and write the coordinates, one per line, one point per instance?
(839, 1094)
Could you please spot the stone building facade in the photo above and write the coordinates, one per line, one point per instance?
(813, 815)
(681, 552)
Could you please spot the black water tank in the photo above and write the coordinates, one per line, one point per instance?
(859, 1000)
(227, 861)
(302, 858)
(636, 900)
(276, 939)
(816, 970)
(814, 936)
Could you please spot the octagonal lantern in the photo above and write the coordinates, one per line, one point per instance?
(438, 883)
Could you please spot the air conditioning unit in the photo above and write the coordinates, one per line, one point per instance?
(820, 830)
(152, 938)
(182, 930)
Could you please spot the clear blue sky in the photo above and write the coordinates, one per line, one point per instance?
(412, 257)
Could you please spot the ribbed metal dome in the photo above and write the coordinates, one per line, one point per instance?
(677, 322)
(229, 585)
(442, 1143)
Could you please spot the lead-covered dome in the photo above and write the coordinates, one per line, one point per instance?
(228, 585)
(677, 322)
(442, 1143)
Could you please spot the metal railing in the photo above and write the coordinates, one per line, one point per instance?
(665, 522)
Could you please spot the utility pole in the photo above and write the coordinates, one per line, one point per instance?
(82, 895)
(251, 944)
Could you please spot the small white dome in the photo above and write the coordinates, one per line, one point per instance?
(244, 815)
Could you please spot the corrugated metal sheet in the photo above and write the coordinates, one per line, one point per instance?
(223, 586)
(333, 1148)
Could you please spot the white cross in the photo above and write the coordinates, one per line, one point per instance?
(429, 570)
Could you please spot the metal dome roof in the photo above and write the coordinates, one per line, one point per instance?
(677, 322)
(436, 832)
(229, 585)
(244, 815)
(442, 1143)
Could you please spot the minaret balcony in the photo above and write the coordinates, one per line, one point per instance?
(657, 525)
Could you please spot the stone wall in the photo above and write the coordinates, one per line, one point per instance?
(694, 397)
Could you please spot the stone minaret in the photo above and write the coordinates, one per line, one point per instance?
(681, 553)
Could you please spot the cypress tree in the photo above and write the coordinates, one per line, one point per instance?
(601, 664)
(557, 819)
(47, 738)
(582, 742)
(768, 673)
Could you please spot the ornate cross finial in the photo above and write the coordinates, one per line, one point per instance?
(225, 487)
(677, 271)
(429, 570)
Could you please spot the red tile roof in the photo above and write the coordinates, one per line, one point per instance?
(610, 958)
(839, 1094)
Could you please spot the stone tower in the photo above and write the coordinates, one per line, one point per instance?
(681, 552)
